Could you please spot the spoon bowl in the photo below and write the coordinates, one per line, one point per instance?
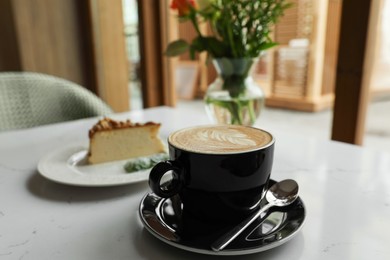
(280, 194)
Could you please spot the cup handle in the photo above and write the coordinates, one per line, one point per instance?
(174, 186)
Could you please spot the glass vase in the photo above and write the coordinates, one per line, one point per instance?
(234, 97)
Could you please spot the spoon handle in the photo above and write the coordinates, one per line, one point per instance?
(228, 237)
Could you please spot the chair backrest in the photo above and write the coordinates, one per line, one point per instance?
(29, 99)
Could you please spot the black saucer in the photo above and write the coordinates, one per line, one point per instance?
(160, 217)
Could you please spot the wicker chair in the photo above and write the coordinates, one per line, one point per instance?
(29, 99)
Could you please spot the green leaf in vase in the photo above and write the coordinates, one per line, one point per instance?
(176, 48)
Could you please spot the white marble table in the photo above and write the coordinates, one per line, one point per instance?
(346, 190)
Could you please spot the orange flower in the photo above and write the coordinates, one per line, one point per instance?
(183, 6)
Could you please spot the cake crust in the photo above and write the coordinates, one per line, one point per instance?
(108, 124)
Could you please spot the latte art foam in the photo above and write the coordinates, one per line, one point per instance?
(219, 139)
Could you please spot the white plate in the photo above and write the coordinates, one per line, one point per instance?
(68, 165)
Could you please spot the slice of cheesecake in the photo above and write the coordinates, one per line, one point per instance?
(111, 140)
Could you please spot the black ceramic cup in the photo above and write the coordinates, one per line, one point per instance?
(219, 172)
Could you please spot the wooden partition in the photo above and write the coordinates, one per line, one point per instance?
(300, 71)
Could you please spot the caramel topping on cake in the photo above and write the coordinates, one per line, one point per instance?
(108, 124)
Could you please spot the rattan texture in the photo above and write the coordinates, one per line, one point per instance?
(29, 99)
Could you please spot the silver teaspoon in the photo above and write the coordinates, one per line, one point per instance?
(280, 194)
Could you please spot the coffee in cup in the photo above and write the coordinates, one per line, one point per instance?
(220, 139)
(219, 172)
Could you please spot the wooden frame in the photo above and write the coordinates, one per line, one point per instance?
(354, 67)
(156, 69)
(109, 52)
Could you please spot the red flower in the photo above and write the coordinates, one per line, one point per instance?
(183, 6)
